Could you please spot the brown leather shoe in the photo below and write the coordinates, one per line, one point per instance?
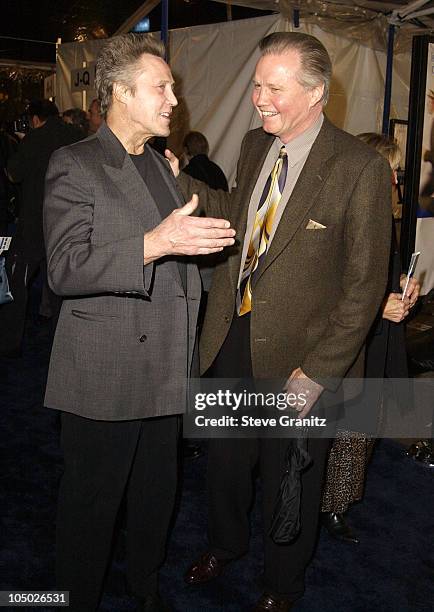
(271, 603)
(207, 568)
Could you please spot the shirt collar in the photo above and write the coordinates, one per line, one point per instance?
(298, 148)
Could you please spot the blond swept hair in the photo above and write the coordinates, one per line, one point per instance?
(385, 145)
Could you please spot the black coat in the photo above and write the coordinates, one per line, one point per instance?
(203, 169)
(28, 167)
(385, 347)
(385, 357)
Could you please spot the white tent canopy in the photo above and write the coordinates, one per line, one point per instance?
(213, 66)
(363, 20)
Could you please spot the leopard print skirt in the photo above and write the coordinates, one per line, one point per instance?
(346, 470)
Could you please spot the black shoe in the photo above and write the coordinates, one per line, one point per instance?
(205, 569)
(423, 452)
(271, 603)
(191, 451)
(335, 524)
(152, 603)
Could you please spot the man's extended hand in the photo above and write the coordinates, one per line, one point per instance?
(299, 384)
(173, 161)
(182, 234)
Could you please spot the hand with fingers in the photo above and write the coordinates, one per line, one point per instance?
(173, 161)
(303, 386)
(183, 234)
(395, 308)
(413, 288)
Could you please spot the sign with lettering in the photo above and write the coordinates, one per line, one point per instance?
(50, 86)
(83, 78)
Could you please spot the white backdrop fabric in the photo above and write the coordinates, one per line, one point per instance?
(213, 66)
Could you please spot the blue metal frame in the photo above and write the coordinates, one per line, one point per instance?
(165, 25)
(388, 84)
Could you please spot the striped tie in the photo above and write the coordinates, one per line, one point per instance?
(262, 228)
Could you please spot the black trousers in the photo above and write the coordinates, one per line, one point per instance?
(22, 271)
(103, 461)
(230, 485)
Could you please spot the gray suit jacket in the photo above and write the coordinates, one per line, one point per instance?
(316, 295)
(124, 342)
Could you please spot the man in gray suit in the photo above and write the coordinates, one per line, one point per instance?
(116, 234)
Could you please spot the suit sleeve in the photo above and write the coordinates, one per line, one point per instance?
(365, 254)
(75, 264)
(212, 202)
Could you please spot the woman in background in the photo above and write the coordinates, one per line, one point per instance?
(385, 357)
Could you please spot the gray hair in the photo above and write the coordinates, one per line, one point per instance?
(118, 63)
(316, 66)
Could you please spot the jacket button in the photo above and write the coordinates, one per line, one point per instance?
(226, 318)
(143, 338)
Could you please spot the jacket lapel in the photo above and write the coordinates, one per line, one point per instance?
(135, 191)
(304, 195)
(194, 284)
(255, 161)
(122, 172)
(168, 177)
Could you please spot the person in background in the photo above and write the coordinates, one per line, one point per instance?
(8, 146)
(26, 257)
(199, 166)
(77, 118)
(94, 116)
(385, 357)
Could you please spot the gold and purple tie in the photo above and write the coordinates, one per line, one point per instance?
(262, 228)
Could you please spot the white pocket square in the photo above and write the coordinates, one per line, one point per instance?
(314, 225)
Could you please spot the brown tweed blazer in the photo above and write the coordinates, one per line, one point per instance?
(319, 290)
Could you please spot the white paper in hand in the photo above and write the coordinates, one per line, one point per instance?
(411, 269)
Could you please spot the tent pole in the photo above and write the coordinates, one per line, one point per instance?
(388, 84)
(165, 24)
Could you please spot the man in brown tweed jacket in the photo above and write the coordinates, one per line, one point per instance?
(313, 294)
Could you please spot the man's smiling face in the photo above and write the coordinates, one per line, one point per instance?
(286, 108)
